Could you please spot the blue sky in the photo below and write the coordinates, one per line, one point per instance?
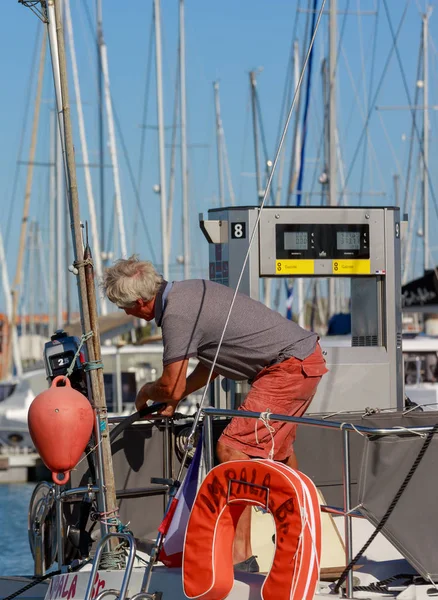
(225, 40)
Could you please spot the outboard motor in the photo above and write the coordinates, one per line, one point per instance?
(58, 356)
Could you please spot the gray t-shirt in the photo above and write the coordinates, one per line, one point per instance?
(256, 336)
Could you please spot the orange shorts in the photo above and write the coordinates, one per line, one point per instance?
(286, 388)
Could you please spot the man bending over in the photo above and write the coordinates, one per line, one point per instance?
(282, 361)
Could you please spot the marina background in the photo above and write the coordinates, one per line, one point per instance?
(15, 555)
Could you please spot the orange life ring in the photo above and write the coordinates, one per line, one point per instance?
(291, 498)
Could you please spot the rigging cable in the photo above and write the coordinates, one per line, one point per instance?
(370, 91)
(264, 144)
(405, 84)
(251, 239)
(306, 111)
(304, 129)
(144, 116)
(124, 148)
(30, 80)
(370, 109)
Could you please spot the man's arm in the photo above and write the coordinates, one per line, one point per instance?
(172, 386)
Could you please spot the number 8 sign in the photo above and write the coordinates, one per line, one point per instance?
(238, 231)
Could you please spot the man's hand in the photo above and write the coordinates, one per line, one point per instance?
(169, 409)
(142, 398)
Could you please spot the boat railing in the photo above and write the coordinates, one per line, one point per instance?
(120, 594)
(344, 428)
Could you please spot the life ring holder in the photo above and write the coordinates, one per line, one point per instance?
(291, 498)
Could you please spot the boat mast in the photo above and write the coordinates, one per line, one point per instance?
(84, 146)
(333, 170)
(52, 210)
(112, 144)
(253, 83)
(107, 497)
(425, 19)
(220, 166)
(184, 171)
(24, 221)
(101, 126)
(60, 204)
(161, 147)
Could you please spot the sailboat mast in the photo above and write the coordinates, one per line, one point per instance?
(113, 148)
(333, 170)
(59, 204)
(426, 140)
(106, 498)
(219, 139)
(253, 83)
(184, 171)
(161, 147)
(88, 183)
(101, 123)
(52, 215)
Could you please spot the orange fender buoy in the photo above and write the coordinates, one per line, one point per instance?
(60, 422)
(288, 495)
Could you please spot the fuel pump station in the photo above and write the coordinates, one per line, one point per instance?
(359, 243)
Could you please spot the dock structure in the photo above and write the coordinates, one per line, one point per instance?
(20, 465)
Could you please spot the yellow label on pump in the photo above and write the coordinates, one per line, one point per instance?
(295, 267)
(351, 267)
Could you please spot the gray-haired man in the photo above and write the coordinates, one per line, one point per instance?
(283, 361)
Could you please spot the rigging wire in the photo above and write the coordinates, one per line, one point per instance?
(245, 136)
(292, 174)
(370, 109)
(251, 239)
(124, 148)
(370, 91)
(408, 95)
(144, 115)
(362, 114)
(391, 147)
(264, 144)
(30, 85)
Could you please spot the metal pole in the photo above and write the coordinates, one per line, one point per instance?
(220, 166)
(163, 194)
(59, 236)
(396, 181)
(184, 171)
(101, 124)
(113, 151)
(84, 147)
(32, 291)
(119, 396)
(208, 442)
(253, 83)
(332, 162)
(85, 303)
(347, 507)
(426, 140)
(59, 526)
(52, 212)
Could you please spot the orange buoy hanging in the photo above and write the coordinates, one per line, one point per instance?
(60, 423)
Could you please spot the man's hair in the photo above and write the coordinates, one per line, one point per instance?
(129, 280)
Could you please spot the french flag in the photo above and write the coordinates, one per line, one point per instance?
(174, 524)
(289, 299)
